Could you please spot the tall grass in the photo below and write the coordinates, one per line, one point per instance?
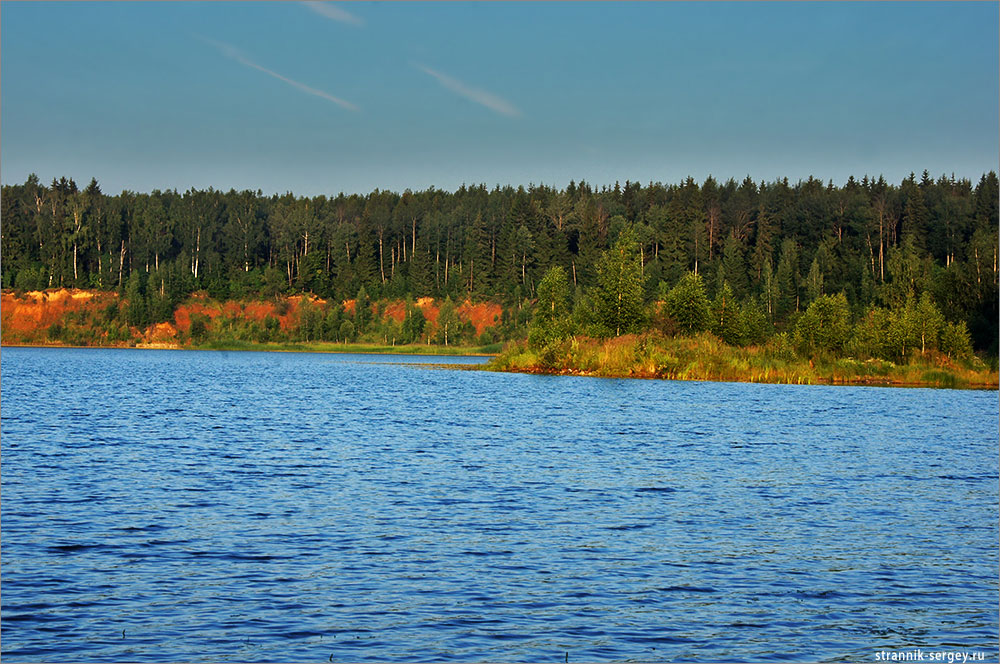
(706, 357)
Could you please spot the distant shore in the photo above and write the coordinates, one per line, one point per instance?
(701, 358)
(293, 347)
(705, 358)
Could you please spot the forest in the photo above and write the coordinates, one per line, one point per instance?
(766, 252)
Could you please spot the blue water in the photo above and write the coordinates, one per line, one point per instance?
(193, 506)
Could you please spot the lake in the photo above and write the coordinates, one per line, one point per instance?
(215, 506)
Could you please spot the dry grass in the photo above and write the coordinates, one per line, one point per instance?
(705, 357)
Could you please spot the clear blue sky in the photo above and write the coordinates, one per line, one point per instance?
(327, 97)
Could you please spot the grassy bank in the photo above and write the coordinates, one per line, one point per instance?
(705, 357)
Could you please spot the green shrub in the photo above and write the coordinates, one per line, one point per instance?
(955, 342)
(825, 327)
(687, 304)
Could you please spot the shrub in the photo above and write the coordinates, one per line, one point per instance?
(347, 331)
(825, 326)
(687, 304)
(199, 327)
(955, 341)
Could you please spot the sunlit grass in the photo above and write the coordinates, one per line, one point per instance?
(705, 357)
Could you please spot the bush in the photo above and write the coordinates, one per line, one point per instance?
(199, 327)
(488, 337)
(780, 347)
(347, 331)
(55, 332)
(825, 326)
(955, 341)
(31, 278)
(687, 304)
(872, 336)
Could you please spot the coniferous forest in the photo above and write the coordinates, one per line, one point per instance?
(765, 250)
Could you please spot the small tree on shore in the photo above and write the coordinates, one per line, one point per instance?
(447, 322)
(687, 304)
(825, 326)
(551, 321)
(618, 298)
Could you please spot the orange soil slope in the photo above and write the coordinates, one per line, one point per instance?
(38, 310)
(482, 315)
(26, 318)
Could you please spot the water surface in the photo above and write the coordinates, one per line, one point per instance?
(179, 506)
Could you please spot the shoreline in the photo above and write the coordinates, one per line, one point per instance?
(345, 349)
(805, 381)
(765, 377)
(706, 358)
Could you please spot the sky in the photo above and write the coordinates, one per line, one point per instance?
(322, 98)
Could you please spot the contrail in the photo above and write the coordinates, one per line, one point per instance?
(333, 12)
(481, 97)
(233, 53)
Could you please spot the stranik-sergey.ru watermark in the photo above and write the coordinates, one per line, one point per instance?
(918, 655)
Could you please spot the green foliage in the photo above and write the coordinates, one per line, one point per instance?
(331, 323)
(786, 279)
(272, 329)
(31, 278)
(553, 296)
(687, 304)
(347, 331)
(111, 311)
(734, 265)
(925, 321)
(726, 316)
(618, 296)
(955, 342)
(915, 327)
(138, 304)
(413, 324)
(704, 357)
(753, 324)
(54, 332)
(814, 281)
(551, 321)
(362, 311)
(447, 323)
(488, 338)
(873, 336)
(825, 327)
(783, 244)
(310, 321)
(199, 327)
(275, 282)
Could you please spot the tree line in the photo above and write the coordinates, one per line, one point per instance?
(771, 248)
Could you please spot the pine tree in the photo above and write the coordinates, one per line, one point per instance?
(734, 262)
(726, 316)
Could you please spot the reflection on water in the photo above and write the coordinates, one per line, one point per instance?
(164, 505)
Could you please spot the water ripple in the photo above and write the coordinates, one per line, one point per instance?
(170, 506)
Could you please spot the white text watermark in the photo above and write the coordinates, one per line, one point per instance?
(919, 655)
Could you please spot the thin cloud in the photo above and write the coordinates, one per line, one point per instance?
(481, 97)
(233, 53)
(327, 10)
